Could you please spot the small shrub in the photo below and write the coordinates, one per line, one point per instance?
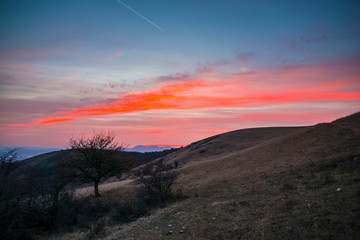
(157, 179)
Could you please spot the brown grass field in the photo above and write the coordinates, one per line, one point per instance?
(264, 183)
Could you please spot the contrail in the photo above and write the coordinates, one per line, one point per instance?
(140, 15)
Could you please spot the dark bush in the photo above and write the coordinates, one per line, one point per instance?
(158, 179)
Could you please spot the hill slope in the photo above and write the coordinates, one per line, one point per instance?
(266, 183)
(263, 148)
(230, 142)
(46, 163)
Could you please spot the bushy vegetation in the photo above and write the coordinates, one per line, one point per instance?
(157, 179)
(36, 204)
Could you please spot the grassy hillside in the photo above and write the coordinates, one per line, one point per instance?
(45, 164)
(222, 145)
(266, 183)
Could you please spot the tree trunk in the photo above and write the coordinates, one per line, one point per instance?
(96, 188)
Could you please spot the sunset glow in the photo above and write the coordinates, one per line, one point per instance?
(175, 86)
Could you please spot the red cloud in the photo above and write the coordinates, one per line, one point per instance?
(303, 84)
(56, 120)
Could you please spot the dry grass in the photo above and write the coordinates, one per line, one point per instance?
(124, 187)
(295, 203)
(273, 183)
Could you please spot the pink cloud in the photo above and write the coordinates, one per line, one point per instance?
(170, 128)
(296, 86)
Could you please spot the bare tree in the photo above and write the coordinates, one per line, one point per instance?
(94, 158)
(157, 178)
(7, 161)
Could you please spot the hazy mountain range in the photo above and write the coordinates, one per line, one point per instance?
(28, 152)
(153, 148)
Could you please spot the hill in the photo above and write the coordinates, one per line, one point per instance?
(45, 164)
(221, 145)
(264, 183)
(263, 149)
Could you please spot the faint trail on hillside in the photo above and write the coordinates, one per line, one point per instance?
(104, 187)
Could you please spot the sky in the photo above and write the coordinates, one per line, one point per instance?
(159, 72)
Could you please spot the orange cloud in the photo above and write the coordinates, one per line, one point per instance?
(294, 85)
(56, 120)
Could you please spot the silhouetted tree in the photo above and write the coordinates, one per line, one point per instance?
(94, 158)
(7, 160)
(8, 184)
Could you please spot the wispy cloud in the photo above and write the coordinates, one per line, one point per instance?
(20, 67)
(115, 56)
(294, 85)
(245, 57)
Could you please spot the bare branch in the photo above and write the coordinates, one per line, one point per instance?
(94, 158)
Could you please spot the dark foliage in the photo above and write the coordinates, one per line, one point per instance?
(158, 179)
(35, 203)
(7, 162)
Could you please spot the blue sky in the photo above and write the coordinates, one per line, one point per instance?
(195, 31)
(59, 57)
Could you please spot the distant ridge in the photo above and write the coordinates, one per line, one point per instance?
(45, 163)
(153, 148)
(28, 152)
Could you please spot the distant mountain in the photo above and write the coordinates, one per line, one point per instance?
(153, 148)
(28, 152)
